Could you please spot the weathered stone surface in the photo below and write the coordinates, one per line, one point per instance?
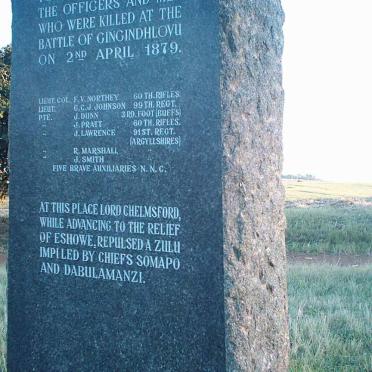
(253, 196)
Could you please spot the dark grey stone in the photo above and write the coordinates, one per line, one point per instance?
(146, 217)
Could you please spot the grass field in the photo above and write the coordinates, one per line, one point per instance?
(330, 306)
(328, 229)
(329, 217)
(330, 318)
(315, 190)
(3, 319)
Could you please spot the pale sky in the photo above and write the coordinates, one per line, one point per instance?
(327, 66)
(328, 81)
(5, 22)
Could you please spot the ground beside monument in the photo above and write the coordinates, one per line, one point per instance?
(329, 243)
(3, 317)
(330, 317)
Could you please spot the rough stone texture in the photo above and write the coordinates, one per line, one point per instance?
(255, 260)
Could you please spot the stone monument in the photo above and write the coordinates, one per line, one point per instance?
(146, 217)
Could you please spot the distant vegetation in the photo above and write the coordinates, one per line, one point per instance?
(330, 318)
(319, 190)
(5, 59)
(308, 177)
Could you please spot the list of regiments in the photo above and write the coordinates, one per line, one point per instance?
(146, 120)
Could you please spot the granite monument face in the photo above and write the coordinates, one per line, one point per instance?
(146, 217)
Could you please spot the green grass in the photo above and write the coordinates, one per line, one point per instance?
(3, 317)
(316, 190)
(329, 230)
(330, 318)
